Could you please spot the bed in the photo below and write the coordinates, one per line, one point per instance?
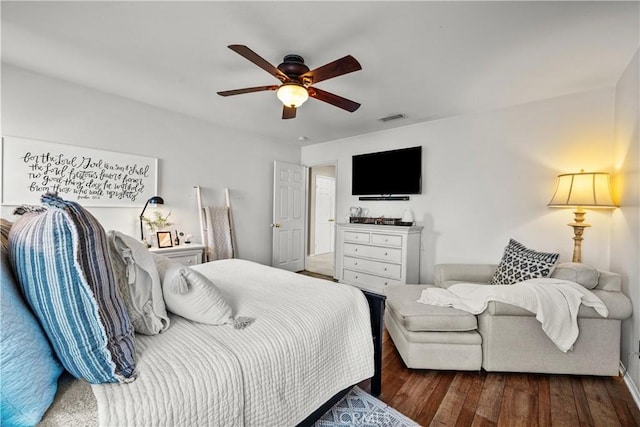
(311, 340)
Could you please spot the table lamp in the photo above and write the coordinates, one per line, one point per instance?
(154, 201)
(580, 190)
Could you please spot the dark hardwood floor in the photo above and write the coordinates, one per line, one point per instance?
(449, 398)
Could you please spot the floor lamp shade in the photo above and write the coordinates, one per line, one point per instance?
(586, 189)
(580, 190)
(153, 201)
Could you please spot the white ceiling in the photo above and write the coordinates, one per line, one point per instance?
(426, 59)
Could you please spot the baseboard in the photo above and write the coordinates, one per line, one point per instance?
(633, 388)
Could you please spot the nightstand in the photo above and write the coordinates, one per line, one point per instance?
(187, 254)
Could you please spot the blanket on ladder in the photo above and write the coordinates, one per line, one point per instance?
(218, 233)
(555, 303)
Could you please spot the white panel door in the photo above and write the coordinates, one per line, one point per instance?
(325, 215)
(289, 216)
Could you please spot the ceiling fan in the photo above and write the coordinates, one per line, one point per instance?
(297, 80)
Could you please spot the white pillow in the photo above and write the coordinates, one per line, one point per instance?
(139, 283)
(190, 294)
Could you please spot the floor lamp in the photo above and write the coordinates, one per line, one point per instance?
(580, 190)
(154, 201)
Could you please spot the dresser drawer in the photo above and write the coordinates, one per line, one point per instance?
(376, 252)
(187, 254)
(367, 281)
(381, 268)
(355, 236)
(386, 239)
(193, 259)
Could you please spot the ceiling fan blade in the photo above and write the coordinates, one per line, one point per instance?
(288, 113)
(341, 66)
(247, 53)
(247, 90)
(338, 101)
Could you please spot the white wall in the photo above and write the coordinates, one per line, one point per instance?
(625, 227)
(488, 177)
(191, 152)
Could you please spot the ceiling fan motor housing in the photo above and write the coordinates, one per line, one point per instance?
(293, 66)
(296, 80)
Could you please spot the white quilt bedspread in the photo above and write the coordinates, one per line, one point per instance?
(311, 339)
(555, 303)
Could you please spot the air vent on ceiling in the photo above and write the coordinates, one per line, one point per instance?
(392, 117)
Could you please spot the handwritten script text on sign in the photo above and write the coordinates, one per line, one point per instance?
(85, 177)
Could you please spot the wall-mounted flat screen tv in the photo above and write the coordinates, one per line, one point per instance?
(387, 172)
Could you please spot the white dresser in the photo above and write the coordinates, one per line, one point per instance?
(374, 256)
(187, 254)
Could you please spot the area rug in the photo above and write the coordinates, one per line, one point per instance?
(360, 409)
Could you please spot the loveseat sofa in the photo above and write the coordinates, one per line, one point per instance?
(504, 337)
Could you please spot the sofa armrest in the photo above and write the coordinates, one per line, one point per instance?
(446, 275)
(617, 303)
(609, 281)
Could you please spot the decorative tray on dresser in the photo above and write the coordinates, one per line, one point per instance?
(187, 254)
(372, 257)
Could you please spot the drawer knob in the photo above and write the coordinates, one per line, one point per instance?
(385, 254)
(386, 240)
(355, 263)
(190, 261)
(356, 250)
(386, 283)
(356, 277)
(385, 269)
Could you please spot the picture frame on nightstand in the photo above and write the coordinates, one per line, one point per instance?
(164, 239)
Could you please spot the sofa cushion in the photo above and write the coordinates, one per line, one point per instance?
(446, 275)
(520, 263)
(402, 302)
(61, 261)
(29, 368)
(577, 272)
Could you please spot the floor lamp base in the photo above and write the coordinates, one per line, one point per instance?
(578, 229)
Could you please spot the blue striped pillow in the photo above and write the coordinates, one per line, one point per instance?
(61, 261)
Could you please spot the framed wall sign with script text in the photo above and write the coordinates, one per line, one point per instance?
(90, 176)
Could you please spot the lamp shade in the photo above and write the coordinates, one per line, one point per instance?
(156, 200)
(585, 189)
(292, 94)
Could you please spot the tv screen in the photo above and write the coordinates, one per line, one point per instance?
(387, 172)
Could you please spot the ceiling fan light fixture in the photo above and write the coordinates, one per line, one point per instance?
(292, 94)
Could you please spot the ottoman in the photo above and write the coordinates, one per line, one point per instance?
(431, 337)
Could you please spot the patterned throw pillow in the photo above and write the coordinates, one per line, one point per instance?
(5, 228)
(519, 263)
(61, 261)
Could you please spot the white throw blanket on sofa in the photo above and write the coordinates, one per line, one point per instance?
(555, 303)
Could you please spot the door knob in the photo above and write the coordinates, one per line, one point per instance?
(331, 220)
(275, 225)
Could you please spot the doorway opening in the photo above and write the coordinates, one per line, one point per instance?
(321, 224)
